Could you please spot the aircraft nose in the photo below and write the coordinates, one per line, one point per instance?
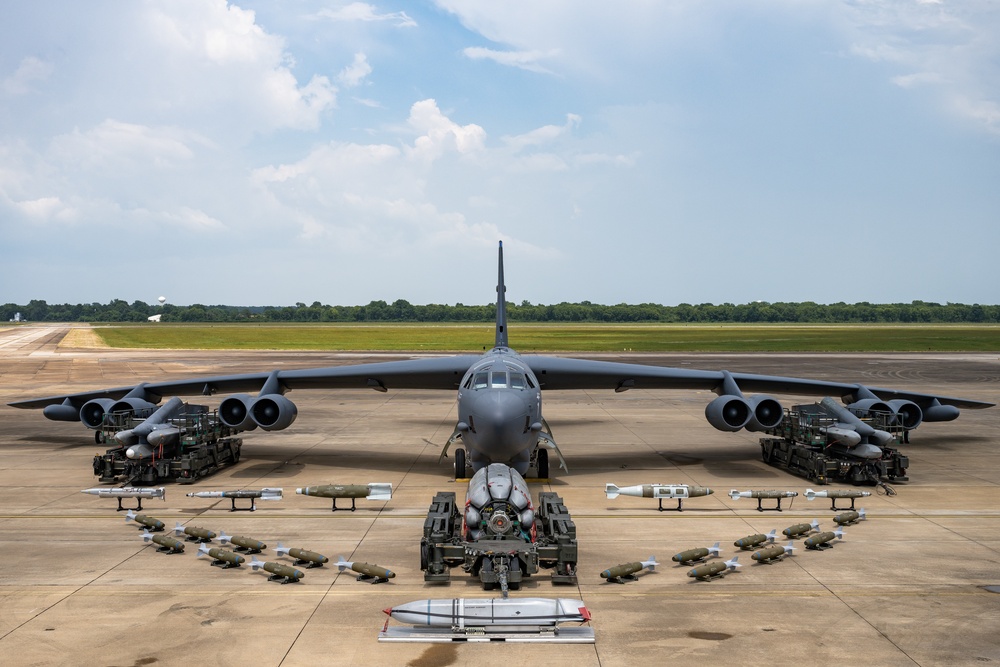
(499, 418)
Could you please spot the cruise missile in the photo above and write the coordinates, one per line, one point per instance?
(800, 529)
(128, 492)
(278, 571)
(375, 573)
(772, 553)
(848, 518)
(461, 613)
(143, 520)
(222, 558)
(659, 491)
(194, 533)
(691, 555)
(761, 494)
(141, 442)
(710, 570)
(834, 494)
(823, 540)
(245, 544)
(168, 545)
(626, 571)
(252, 494)
(751, 541)
(302, 556)
(851, 422)
(372, 491)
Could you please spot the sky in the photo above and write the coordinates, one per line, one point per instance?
(266, 153)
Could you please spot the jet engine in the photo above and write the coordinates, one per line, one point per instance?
(767, 413)
(234, 412)
(905, 413)
(93, 411)
(273, 412)
(498, 505)
(729, 413)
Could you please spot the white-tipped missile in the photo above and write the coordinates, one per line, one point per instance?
(478, 612)
(134, 438)
(128, 492)
(758, 493)
(850, 421)
(262, 494)
(836, 493)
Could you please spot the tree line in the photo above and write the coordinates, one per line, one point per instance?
(585, 311)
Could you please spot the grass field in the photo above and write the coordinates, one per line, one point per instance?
(560, 337)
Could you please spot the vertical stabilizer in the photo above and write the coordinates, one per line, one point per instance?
(501, 340)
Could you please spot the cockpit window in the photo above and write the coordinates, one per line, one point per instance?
(499, 380)
(481, 381)
(517, 380)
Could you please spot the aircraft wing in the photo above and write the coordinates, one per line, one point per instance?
(433, 373)
(569, 373)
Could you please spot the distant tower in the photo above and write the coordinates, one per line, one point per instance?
(162, 300)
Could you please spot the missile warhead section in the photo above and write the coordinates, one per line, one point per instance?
(143, 520)
(246, 544)
(752, 541)
(221, 557)
(834, 494)
(771, 553)
(279, 572)
(626, 571)
(692, 555)
(498, 505)
(823, 540)
(167, 544)
(800, 529)
(463, 613)
(366, 571)
(302, 556)
(851, 517)
(194, 533)
(711, 570)
(371, 491)
(659, 491)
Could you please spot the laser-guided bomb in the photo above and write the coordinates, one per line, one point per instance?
(659, 491)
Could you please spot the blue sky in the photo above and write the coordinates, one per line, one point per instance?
(261, 153)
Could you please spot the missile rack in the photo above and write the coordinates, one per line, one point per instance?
(502, 563)
(205, 445)
(800, 446)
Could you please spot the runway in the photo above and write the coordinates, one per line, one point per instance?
(906, 587)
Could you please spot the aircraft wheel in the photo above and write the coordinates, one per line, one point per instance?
(459, 463)
(542, 464)
(99, 437)
(424, 556)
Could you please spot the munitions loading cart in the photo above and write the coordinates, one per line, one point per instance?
(204, 445)
(502, 563)
(802, 447)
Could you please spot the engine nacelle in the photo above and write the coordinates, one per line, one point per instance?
(273, 412)
(767, 413)
(729, 413)
(131, 405)
(908, 414)
(234, 412)
(940, 413)
(868, 405)
(61, 413)
(93, 411)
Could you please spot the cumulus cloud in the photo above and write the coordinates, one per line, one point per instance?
(362, 11)
(441, 134)
(32, 70)
(355, 73)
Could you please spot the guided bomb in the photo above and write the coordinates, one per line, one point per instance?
(751, 541)
(761, 495)
(800, 529)
(252, 494)
(659, 491)
(692, 555)
(194, 533)
(279, 572)
(302, 556)
(823, 540)
(247, 544)
(143, 520)
(366, 571)
(222, 558)
(851, 517)
(772, 553)
(835, 494)
(166, 543)
(626, 571)
(371, 491)
(710, 570)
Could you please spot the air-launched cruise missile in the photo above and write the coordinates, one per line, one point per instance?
(659, 491)
(144, 521)
(222, 558)
(302, 556)
(245, 544)
(848, 421)
(752, 541)
(194, 533)
(848, 518)
(692, 555)
(252, 494)
(367, 572)
(372, 491)
(168, 545)
(626, 571)
(486, 612)
(823, 540)
(772, 553)
(761, 494)
(279, 572)
(800, 529)
(834, 494)
(710, 570)
(141, 441)
(128, 492)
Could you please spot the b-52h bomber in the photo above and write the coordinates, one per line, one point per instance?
(500, 417)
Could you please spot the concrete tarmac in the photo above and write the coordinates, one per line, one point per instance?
(910, 586)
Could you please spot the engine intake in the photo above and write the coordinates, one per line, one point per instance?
(767, 413)
(273, 412)
(729, 413)
(234, 412)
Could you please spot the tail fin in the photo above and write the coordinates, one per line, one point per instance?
(501, 340)
(732, 564)
(810, 494)
(714, 549)
(281, 550)
(223, 538)
(255, 564)
(862, 514)
(611, 490)
(770, 536)
(651, 563)
(342, 564)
